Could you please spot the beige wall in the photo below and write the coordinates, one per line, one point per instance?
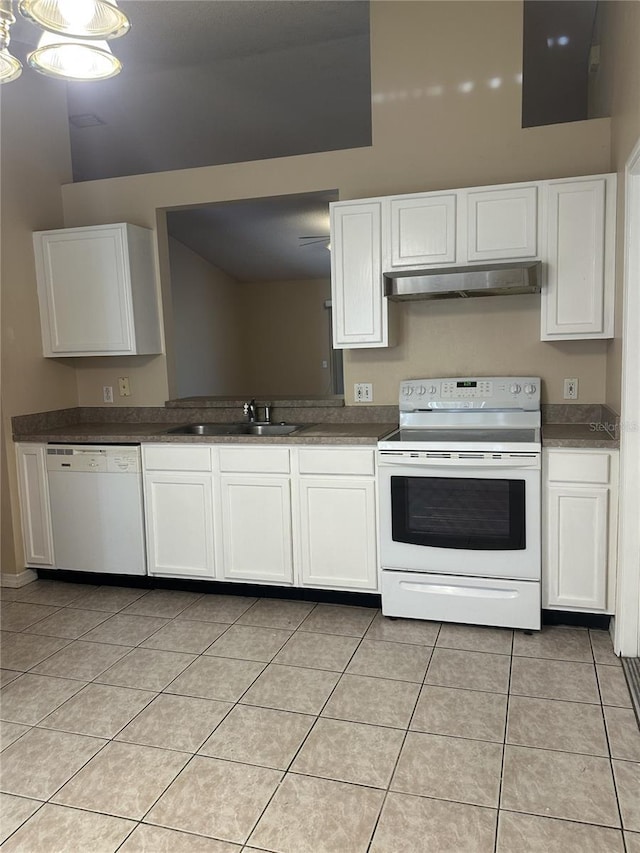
(469, 337)
(285, 329)
(35, 161)
(427, 135)
(621, 55)
(209, 356)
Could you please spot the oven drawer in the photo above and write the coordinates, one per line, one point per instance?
(451, 598)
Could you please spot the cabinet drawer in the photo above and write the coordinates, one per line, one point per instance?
(271, 460)
(578, 467)
(161, 457)
(324, 461)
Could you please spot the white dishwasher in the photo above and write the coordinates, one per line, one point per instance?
(96, 508)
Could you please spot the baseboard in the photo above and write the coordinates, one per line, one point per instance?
(13, 581)
(297, 593)
(582, 620)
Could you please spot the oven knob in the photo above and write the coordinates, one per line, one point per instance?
(529, 389)
(433, 389)
(515, 388)
(420, 390)
(408, 390)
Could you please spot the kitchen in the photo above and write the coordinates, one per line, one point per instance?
(488, 36)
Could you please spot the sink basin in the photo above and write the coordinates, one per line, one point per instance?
(272, 429)
(234, 429)
(209, 429)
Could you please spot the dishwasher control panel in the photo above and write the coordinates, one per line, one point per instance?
(92, 459)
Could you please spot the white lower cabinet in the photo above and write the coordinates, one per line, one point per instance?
(337, 532)
(178, 490)
(256, 528)
(271, 515)
(580, 519)
(35, 509)
(336, 518)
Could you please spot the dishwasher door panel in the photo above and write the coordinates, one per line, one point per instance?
(97, 521)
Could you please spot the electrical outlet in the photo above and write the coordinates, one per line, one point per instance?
(124, 387)
(363, 392)
(570, 389)
(107, 393)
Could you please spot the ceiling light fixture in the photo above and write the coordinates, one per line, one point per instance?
(73, 45)
(70, 59)
(10, 67)
(84, 19)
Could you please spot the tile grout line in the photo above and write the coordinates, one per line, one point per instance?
(606, 732)
(504, 744)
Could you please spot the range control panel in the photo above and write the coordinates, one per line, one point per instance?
(464, 392)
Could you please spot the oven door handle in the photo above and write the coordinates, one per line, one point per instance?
(532, 463)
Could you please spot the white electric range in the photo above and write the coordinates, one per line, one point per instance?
(459, 502)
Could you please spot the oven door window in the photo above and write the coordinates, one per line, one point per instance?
(448, 512)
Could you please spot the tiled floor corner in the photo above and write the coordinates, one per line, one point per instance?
(136, 720)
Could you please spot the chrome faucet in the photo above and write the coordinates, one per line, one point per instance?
(250, 411)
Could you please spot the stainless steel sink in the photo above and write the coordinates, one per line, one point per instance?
(272, 429)
(234, 429)
(209, 429)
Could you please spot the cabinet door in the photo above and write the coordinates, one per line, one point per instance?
(577, 299)
(423, 230)
(575, 574)
(502, 224)
(359, 306)
(85, 291)
(34, 504)
(256, 528)
(179, 521)
(338, 532)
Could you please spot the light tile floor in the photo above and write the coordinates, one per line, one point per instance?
(158, 721)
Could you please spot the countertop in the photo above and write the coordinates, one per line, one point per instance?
(591, 425)
(579, 435)
(136, 433)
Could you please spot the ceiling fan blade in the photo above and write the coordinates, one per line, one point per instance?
(313, 240)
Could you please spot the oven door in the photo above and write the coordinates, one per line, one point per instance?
(475, 516)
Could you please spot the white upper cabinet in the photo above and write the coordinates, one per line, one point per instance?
(578, 295)
(502, 224)
(359, 306)
(568, 225)
(423, 230)
(97, 291)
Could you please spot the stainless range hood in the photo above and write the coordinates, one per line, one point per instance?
(448, 283)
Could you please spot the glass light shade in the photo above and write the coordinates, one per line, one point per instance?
(68, 59)
(10, 67)
(85, 19)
